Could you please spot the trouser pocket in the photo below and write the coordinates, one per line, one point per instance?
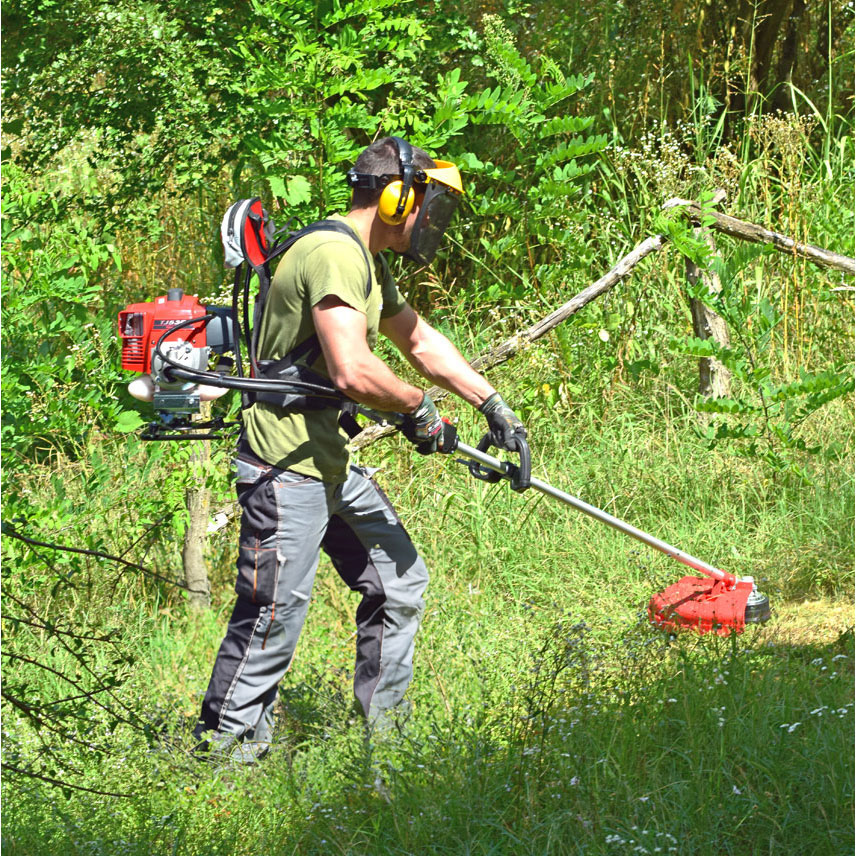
(257, 564)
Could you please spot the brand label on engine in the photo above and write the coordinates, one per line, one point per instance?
(163, 323)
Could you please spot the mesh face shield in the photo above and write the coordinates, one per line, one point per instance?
(434, 217)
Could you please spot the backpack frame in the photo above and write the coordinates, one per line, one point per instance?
(250, 243)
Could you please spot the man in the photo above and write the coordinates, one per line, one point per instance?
(298, 493)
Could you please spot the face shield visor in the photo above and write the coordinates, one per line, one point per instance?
(443, 191)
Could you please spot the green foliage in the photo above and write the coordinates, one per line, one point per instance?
(132, 96)
(528, 174)
(128, 128)
(322, 80)
(767, 411)
(598, 742)
(648, 55)
(527, 723)
(532, 166)
(59, 359)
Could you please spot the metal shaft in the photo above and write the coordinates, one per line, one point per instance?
(504, 468)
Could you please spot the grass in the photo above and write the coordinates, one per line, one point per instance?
(548, 718)
(599, 748)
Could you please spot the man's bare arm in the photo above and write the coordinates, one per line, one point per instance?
(353, 368)
(435, 357)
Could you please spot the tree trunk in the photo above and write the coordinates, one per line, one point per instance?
(788, 57)
(769, 15)
(198, 499)
(714, 379)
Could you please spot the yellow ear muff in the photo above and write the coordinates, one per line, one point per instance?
(389, 198)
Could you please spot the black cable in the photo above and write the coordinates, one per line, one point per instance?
(293, 387)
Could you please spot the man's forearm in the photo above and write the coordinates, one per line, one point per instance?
(371, 382)
(438, 360)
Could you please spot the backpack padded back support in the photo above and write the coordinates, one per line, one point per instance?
(243, 233)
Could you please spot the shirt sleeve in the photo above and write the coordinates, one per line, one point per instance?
(392, 299)
(337, 269)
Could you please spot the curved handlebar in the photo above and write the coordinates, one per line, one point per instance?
(520, 475)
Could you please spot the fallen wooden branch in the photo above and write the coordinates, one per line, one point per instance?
(513, 345)
(759, 235)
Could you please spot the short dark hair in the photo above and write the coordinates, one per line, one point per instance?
(381, 158)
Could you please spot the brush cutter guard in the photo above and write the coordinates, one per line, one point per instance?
(703, 605)
(717, 603)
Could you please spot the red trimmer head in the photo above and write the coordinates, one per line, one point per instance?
(709, 606)
(718, 602)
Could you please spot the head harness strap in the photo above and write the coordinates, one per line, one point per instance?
(405, 159)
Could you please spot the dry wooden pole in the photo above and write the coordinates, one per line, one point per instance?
(759, 235)
(198, 499)
(714, 379)
(566, 310)
(511, 346)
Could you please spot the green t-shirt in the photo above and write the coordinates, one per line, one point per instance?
(318, 265)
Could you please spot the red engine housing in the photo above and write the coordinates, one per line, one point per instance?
(142, 324)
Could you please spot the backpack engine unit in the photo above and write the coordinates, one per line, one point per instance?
(171, 340)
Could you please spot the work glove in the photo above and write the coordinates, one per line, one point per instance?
(505, 426)
(428, 431)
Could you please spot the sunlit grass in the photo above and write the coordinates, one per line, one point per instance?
(547, 717)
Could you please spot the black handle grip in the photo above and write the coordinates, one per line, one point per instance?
(521, 475)
(477, 471)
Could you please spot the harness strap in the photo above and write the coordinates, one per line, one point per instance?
(325, 226)
(309, 350)
(346, 419)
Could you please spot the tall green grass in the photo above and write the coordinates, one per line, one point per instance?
(577, 746)
(548, 718)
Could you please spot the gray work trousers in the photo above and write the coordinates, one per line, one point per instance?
(286, 519)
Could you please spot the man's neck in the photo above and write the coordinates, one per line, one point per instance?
(369, 227)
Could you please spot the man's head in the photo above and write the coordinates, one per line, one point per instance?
(386, 159)
(413, 195)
